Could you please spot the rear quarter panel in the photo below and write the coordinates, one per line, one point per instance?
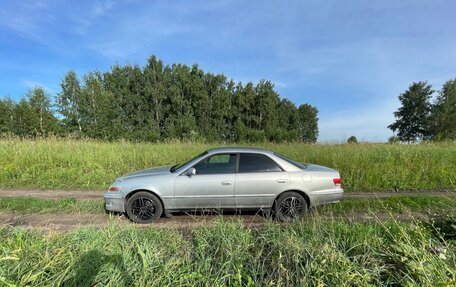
(318, 185)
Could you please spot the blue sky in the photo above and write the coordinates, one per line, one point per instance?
(351, 59)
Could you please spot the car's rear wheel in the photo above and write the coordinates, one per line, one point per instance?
(289, 206)
(144, 207)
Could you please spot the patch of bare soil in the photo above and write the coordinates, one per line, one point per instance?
(51, 194)
(72, 221)
(64, 222)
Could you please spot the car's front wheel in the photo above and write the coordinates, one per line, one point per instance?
(143, 207)
(290, 205)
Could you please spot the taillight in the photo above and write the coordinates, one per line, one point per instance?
(113, 189)
(337, 181)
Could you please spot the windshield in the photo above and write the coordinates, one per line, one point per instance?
(178, 166)
(295, 163)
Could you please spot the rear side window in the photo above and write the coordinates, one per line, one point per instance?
(295, 163)
(252, 162)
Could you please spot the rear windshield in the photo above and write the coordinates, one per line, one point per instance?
(295, 163)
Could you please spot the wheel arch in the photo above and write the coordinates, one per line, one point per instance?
(304, 194)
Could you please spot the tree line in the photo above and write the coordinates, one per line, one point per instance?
(157, 102)
(426, 114)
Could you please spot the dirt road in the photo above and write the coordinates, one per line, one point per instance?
(65, 222)
(180, 221)
(78, 194)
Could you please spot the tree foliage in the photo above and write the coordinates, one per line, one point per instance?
(31, 116)
(444, 112)
(158, 102)
(352, 140)
(309, 131)
(70, 102)
(419, 118)
(413, 118)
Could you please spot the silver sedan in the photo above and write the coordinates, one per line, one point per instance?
(225, 178)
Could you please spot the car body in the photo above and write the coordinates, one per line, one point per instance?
(224, 178)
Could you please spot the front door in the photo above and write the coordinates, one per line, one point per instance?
(211, 187)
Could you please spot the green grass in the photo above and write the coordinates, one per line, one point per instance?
(320, 253)
(399, 204)
(80, 164)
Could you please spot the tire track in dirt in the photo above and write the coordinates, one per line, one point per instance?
(72, 221)
(51, 194)
(66, 222)
(91, 194)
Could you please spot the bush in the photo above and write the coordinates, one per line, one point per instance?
(393, 140)
(352, 140)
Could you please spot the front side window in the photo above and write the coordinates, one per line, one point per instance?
(251, 162)
(176, 167)
(216, 164)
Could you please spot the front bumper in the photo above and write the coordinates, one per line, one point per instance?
(114, 201)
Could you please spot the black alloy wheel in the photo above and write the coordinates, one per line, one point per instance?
(289, 206)
(144, 207)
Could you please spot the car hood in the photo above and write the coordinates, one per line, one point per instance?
(147, 172)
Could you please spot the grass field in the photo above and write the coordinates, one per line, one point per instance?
(324, 249)
(83, 165)
(319, 253)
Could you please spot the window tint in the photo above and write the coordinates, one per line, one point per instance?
(251, 162)
(295, 163)
(219, 163)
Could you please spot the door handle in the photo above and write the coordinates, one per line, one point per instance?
(226, 183)
(281, 181)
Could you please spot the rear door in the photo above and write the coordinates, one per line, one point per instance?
(211, 187)
(258, 181)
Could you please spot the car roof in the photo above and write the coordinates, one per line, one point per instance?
(239, 149)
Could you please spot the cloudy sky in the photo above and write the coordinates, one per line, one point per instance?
(350, 58)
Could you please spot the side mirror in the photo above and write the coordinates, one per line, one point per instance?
(191, 171)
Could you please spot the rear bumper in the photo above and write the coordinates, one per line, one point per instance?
(327, 196)
(114, 201)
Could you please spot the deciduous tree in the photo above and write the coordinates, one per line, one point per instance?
(308, 123)
(413, 116)
(444, 112)
(70, 101)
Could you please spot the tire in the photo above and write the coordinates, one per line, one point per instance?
(289, 206)
(143, 207)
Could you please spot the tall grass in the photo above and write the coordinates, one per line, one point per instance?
(86, 164)
(304, 253)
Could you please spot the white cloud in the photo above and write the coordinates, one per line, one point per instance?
(86, 18)
(25, 19)
(30, 84)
